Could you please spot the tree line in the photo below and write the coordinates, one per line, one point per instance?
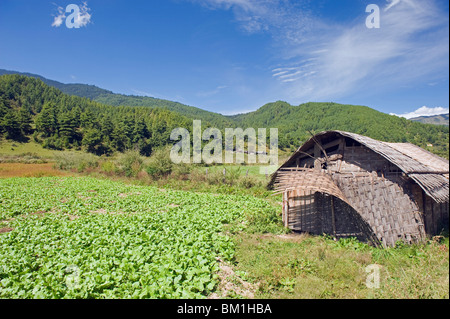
(30, 108)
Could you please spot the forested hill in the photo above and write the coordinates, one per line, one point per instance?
(58, 120)
(82, 90)
(28, 106)
(295, 122)
(107, 97)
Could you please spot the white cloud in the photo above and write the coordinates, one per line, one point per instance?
(424, 111)
(59, 19)
(353, 59)
(322, 60)
(266, 15)
(82, 19)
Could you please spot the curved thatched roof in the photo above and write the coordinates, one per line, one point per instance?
(429, 171)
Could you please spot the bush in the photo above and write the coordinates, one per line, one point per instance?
(249, 182)
(26, 158)
(266, 220)
(181, 171)
(215, 178)
(160, 163)
(232, 175)
(53, 143)
(130, 163)
(80, 162)
(109, 167)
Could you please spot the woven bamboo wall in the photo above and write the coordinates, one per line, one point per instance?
(377, 195)
(382, 202)
(318, 213)
(435, 215)
(386, 204)
(300, 212)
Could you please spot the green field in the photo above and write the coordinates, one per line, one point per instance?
(90, 238)
(83, 237)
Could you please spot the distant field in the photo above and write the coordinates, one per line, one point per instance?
(29, 170)
(15, 148)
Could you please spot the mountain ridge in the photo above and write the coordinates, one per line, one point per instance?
(116, 99)
(294, 123)
(440, 119)
(108, 97)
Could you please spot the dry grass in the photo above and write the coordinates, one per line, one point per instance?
(29, 170)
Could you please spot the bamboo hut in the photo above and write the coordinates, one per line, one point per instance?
(348, 185)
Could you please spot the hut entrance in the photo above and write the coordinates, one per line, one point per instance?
(299, 211)
(320, 213)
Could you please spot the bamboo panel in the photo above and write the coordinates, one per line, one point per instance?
(378, 200)
(307, 179)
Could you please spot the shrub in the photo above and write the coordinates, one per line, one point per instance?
(181, 171)
(130, 163)
(108, 167)
(249, 182)
(160, 163)
(266, 220)
(215, 178)
(80, 162)
(232, 175)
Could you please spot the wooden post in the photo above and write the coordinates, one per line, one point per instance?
(333, 217)
(286, 210)
(317, 153)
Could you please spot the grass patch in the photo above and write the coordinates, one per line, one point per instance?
(301, 266)
(11, 148)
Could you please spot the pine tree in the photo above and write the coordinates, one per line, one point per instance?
(67, 125)
(11, 125)
(92, 141)
(46, 120)
(25, 121)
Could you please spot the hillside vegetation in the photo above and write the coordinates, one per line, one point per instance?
(107, 97)
(61, 121)
(295, 123)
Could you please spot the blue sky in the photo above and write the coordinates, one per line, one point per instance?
(233, 56)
